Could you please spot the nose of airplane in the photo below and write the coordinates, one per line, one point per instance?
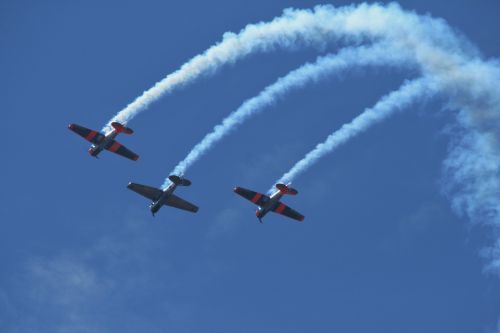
(154, 208)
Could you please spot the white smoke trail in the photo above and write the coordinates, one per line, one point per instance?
(299, 28)
(472, 168)
(323, 67)
(408, 93)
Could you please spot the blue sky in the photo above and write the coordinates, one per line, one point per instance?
(380, 249)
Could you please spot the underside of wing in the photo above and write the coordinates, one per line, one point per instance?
(177, 202)
(88, 134)
(289, 212)
(146, 191)
(257, 198)
(116, 147)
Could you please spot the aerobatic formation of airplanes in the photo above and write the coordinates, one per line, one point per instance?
(159, 197)
(166, 196)
(102, 141)
(271, 203)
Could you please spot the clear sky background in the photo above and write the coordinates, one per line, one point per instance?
(380, 249)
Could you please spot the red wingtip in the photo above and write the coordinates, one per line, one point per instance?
(136, 158)
(71, 126)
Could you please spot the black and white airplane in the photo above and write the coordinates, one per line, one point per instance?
(164, 197)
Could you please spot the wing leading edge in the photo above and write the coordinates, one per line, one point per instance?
(175, 201)
(117, 148)
(289, 212)
(146, 191)
(257, 198)
(88, 134)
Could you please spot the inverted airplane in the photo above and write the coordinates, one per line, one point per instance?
(102, 141)
(271, 204)
(166, 196)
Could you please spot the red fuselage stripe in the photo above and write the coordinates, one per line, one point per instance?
(256, 197)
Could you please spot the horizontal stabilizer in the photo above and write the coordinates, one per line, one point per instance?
(121, 128)
(285, 189)
(179, 181)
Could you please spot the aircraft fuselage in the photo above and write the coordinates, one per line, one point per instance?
(269, 205)
(156, 205)
(94, 150)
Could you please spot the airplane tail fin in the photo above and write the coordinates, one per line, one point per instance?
(179, 181)
(285, 189)
(121, 128)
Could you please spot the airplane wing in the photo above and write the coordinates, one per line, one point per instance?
(88, 134)
(177, 202)
(146, 191)
(116, 147)
(257, 198)
(287, 211)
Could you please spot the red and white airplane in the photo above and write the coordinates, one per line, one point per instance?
(271, 204)
(102, 141)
